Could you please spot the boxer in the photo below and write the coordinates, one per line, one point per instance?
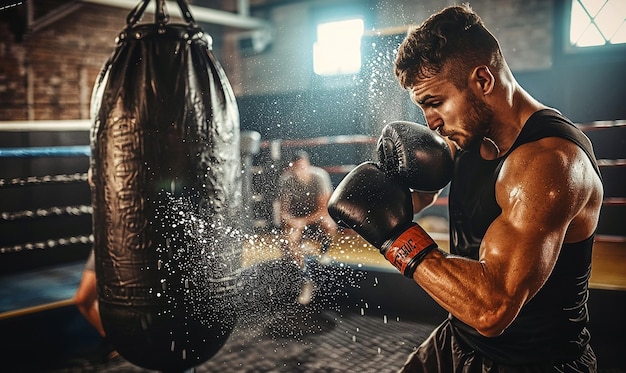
(524, 203)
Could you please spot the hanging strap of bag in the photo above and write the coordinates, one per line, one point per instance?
(161, 17)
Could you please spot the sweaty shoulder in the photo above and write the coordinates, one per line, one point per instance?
(554, 177)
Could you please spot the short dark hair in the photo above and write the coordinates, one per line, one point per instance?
(454, 39)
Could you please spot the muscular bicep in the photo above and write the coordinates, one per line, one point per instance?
(538, 196)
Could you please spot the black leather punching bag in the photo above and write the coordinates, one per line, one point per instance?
(166, 195)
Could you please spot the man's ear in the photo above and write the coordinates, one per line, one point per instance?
(483, 79)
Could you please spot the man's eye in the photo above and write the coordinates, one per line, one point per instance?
(433, 104)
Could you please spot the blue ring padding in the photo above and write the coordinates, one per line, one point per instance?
(49, 151)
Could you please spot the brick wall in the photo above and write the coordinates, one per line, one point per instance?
(51, 72)
(12, 87)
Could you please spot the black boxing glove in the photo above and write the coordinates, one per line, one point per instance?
(415, 154)
(380, 210)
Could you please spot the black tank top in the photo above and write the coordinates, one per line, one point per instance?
(552, 325)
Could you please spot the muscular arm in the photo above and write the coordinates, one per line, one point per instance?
(542, 188)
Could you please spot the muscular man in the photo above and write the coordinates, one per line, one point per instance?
(304, 193)
(524, 203)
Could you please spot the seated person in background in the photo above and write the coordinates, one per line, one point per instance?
(304, 190)
(86, 299)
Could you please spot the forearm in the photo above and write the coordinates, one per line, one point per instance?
(464, 288)
(422, 200)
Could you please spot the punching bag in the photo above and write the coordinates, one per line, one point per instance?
(166, 195)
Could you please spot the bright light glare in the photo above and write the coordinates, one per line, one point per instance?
(597, 22)
(338, 47)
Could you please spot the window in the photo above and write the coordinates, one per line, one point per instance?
(338, 47)
(597, 23)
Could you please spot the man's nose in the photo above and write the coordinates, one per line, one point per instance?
(432, 120)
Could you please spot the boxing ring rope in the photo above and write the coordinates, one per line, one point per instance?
(51, 211)
(46, 151)
(600, 125)
(318, 141)
(48, 244)
(47, 179)
(46, 125)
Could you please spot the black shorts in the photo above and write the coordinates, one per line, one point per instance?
(442, 352)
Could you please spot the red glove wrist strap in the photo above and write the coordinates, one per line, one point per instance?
(408, 245)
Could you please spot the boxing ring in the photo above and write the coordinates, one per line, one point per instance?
(366, 317)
